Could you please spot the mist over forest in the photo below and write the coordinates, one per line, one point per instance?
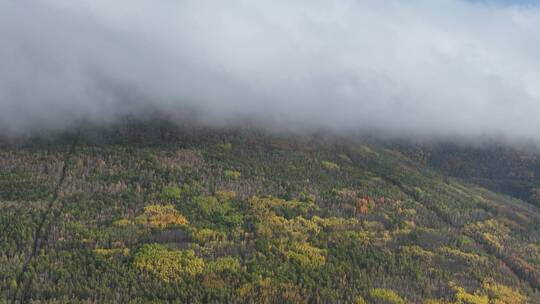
(449, 68)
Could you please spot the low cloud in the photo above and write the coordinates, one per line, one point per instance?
(420, 67)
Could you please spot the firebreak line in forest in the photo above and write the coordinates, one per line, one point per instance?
(21, 281)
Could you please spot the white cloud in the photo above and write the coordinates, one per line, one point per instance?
(445, 67)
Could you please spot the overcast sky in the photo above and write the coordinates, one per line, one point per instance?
(427, 67)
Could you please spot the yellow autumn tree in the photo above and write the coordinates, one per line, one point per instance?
(383, 295)
(161, 216)
(306, 255)
(464, 297)
(501, 294)
(329, 165)
(166, 264)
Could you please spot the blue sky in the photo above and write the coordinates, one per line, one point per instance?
(512, 2)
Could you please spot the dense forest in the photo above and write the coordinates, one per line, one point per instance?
(152, 213)
(509, 169)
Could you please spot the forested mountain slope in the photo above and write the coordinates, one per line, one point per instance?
(144, 213)
(502, 168)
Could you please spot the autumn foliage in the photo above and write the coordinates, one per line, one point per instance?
(161, 216)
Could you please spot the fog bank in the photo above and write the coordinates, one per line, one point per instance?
(420, 67)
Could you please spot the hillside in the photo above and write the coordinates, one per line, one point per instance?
(501, 168)
(154, 213)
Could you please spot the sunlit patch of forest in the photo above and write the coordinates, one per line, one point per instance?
(167, 215)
